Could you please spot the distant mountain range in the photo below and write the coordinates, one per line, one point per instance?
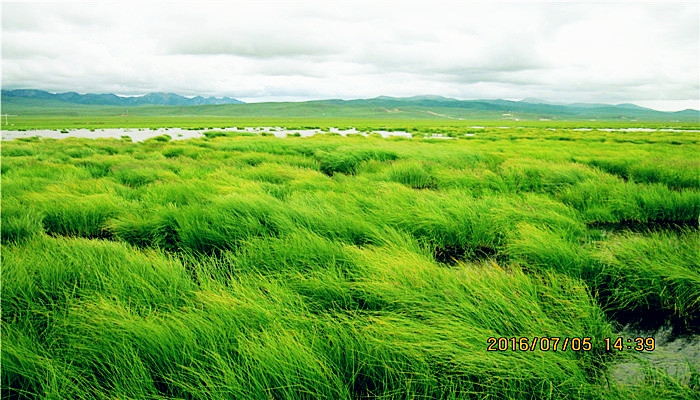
(162, 99)
(37, 102)
(528, 109)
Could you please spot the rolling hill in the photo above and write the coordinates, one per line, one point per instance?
(33, 102)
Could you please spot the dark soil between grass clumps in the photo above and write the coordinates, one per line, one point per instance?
(453, 254)
(652, 319)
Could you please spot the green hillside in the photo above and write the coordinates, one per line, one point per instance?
(421, 107)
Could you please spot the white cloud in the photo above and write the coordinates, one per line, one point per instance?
(598, 52)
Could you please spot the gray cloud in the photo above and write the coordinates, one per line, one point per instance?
(254, 45)
(623, 52)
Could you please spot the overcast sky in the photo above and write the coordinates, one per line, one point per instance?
(648, 54)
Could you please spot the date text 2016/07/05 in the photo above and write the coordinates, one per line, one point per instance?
(568, 343)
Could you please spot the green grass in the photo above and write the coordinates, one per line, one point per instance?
(250, 266)
(143, 327)
(675, 174)
(412, 174)
(97, 117)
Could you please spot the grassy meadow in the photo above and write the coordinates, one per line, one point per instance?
(329, 267)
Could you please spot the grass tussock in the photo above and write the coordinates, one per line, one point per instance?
(619, 202)
(412, 174)
(643, 279)
(676, 174)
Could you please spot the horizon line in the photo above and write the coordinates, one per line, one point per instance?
(427, 96)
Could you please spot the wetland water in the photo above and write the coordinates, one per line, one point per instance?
(141, 134)
(678, 356)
